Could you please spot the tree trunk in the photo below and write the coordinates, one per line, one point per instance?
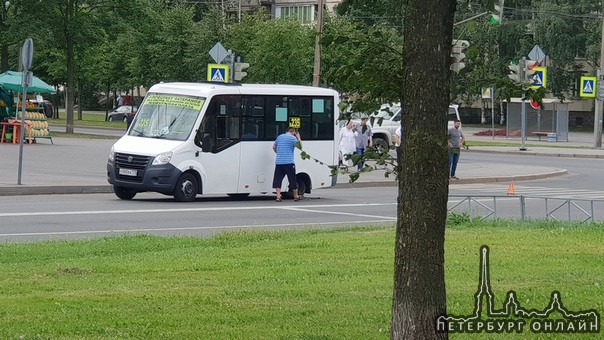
(3, 58)
(70, 66)
(3, 46)
(419, 282)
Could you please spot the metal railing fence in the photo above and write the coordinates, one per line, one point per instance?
(528, 207)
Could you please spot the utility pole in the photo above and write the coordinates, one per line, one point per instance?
(223, 14)
(316, 76)
(598, 103)
(239, 11)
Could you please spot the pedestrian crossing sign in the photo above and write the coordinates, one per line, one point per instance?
(218, 73)
(539, 79)
(487, 93)
(588, 87)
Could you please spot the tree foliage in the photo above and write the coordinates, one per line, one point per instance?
(278, 51)
(563, 29)
(363, 62)
(124, 44)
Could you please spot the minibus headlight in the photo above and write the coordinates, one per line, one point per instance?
(162, 158)
(111, 154)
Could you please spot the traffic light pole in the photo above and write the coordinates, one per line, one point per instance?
(598, 104)
(523, 110)
(598, 116)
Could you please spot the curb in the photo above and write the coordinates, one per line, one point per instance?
(534, 153)
(511, 178)
(108, 189)
(55, 190)
(460, 181)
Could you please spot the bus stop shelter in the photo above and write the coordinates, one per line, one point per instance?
(551, 122)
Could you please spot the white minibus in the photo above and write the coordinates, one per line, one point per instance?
(211, 138)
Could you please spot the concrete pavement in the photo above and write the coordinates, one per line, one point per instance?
(77, 165)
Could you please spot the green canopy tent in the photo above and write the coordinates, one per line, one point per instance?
(11, 80)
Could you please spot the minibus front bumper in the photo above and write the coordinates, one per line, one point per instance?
(142, 176)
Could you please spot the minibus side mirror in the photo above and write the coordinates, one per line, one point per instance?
(207, 143)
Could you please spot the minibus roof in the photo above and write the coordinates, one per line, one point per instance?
(210, 89)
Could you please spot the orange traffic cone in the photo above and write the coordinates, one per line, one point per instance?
(511, 190)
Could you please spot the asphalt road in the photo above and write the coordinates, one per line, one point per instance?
(35, 218)
(31, 218)
(43, 217)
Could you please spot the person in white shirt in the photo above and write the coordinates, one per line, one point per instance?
(398, 135)
(347, 142)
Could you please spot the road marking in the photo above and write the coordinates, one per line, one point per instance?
(147, 211)
(530, 191)
(341, 213)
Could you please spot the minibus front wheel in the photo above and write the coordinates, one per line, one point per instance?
(124, 193)
(186, 188)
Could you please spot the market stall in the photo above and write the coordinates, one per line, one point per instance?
(36, 124)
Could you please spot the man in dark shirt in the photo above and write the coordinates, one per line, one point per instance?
(455, 143)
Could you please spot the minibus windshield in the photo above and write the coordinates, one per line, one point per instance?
(166, 116)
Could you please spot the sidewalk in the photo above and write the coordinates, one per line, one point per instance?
(77, 165)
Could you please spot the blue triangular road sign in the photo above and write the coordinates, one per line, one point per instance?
(217, 76)
(537, 79)
(589, 87)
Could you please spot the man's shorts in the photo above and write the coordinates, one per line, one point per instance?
(282, 170)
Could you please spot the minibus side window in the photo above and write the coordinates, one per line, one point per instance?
(219, 127)
(252, 116)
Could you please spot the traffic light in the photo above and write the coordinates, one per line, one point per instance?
(239, 73)
(497, 13)
(529, 71)
(457, 55)
(516, 70)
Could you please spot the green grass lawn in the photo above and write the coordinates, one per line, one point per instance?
(88, 120)
(327, 284)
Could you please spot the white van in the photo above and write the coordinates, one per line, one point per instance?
(211, 138)
(387, 119)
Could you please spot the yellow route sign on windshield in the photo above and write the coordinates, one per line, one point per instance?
(186, 102)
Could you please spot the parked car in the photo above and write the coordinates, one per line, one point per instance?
(46, 106)
(121, 113)
(385, 121)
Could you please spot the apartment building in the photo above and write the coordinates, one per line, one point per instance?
(303, 10)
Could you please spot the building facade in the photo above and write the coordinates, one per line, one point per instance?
(303, 10)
